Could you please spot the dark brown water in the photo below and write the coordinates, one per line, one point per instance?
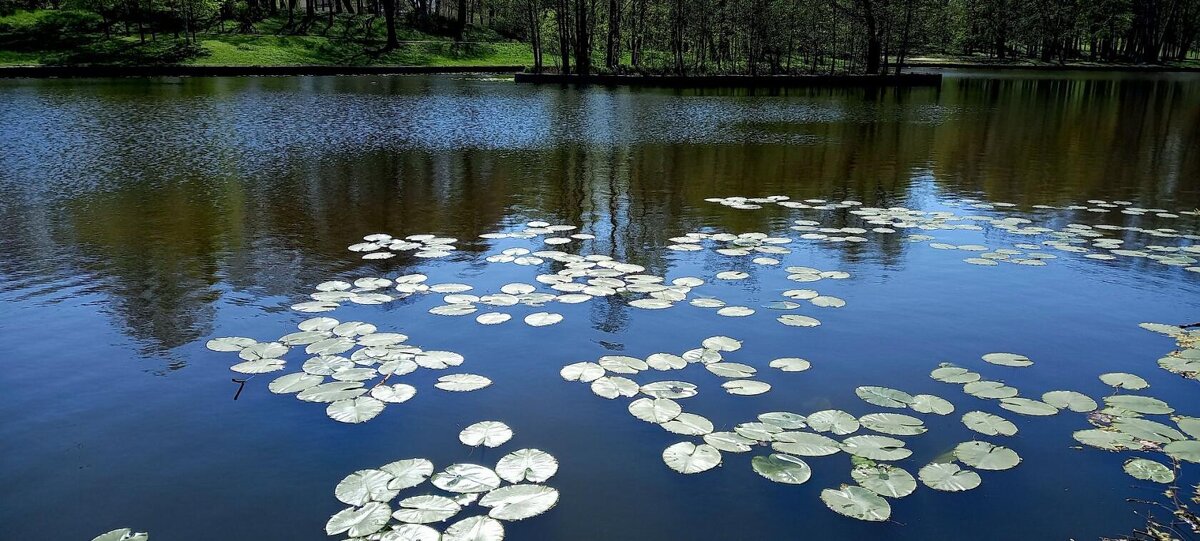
(140, 218)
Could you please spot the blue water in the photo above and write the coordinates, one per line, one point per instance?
(141, 218)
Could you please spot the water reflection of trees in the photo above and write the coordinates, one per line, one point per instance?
(162, 237)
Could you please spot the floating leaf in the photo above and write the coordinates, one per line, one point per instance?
(533, 465)
(294, 383)
(1026, 406)
(745, 387)
(1071, 400)
(437, 360)
(1007, 359)
(332, 392)
(611, 387)
(836, 421)
(258, 366)
(988, 424)
(227, 344)
(948, 476)
(408, 473)
(466, 478)
(790, 364)
(425, 509)
(492, 318)
(927, 403)
(883, 396)
(953, 374)
(783, 419)
(805, 444)
(795, 320)
(728, 441)
(722, 343)
(1105, 439)
(669, 389)
(122, 534)
(1187, 450)
(1147, 430)
(1121, 380)
(486, 433)
(655, 410)
(462, 382)
(985, 456)
(363, 486)
(393, 394)
(893, 423)
(542, 319)
(478, 528)
(857, 502)
(688, 424)
(518, 502)
(1149, 470)
(884, 479)
(665, 361)
(585, 372)
(354, 410)
(989, 389)
(876, 447)
(687, 457)
(782, 468)
(359, 521)
(1139, 404)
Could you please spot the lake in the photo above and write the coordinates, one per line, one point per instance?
(142, 218)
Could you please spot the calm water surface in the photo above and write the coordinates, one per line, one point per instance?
(140, 218)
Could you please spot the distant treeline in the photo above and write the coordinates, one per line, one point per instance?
(696, 36)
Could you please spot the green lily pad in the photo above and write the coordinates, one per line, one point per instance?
(1149, 470)
(948, 477)
(985, 456)
(782, 468)
(858, 503)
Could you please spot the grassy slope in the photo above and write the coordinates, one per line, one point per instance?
(269, 46)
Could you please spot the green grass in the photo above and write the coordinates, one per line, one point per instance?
(271, 44)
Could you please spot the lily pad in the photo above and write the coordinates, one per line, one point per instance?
(359, 521)
(884, 479)
(884, 396)
(425, 509)
(1149, 470)
(1070, 400)
(364, 486)
(893, 423)
(782, 468)
(949, 477)
(486, 433)
(836, 421)
(805, 444)
(354, 410)
(988, 424)
(927, 403)
(687, 457)
(1026, 406)
(1122, 380)
(478, 528)
(985, 456)
(655, 410)
(466, 479)
(858, 503)
(876, 447)
(462, 382)
(1008, 359)
(408, 473)
(533, 465)
(518, 502)
(790, 364)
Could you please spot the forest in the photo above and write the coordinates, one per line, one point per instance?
(682, 37)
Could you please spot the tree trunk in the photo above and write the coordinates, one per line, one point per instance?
(389, 17)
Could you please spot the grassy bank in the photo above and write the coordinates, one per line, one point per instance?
(32, 38)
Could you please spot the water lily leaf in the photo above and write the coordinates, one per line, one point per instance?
(688, 424)
(988, 424)
(518, 502)
(858, 503)
(985, 456)
(332, 392)
(655, 410)
(989, 389)
(411, 532)
(303, 338)
(331, 346)
(263, 350)
(795, 320)
(949, 477)
(927, 403)
(486, 433)
(408, 473)
(782, 468)
(670, 389)
(953, 374)
(757, 431)
(1139, 404)
(542, 319)
(533, 465)
(354, 410)
(355, 374)
(359, 521)
(1189, 425)
(326, 365)
(622, 364)
(791, 364)
(258, 366)
(876, 447)
(479, 528)
(319, 323)
(1144, 429)
(1122, 380)
(836, 421)
(745, 387)
(687, 457)
(1026, 406)
(731, 370)
(1105, 439)
(735, 311)
(462, 382)
(492, 318)
(122, 534)
(437, 360)
(1007, 359)
(883, 396)
(721, 343)
(884, 479)
(393, 394)
(893, 423)
(364, 486)
(1070, 400)
(585, 372)
(731, 442)
(611, 387)
(1149, 470)
(805, 444)
(425, 509)
(650, 304)
(381, 339)
(1187, 450)
(783, 419)
(466, 478)
(665, 361)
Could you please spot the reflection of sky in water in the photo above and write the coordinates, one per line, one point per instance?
(140, 220)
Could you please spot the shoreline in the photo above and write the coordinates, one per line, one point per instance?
(734, 81)
(46, 72)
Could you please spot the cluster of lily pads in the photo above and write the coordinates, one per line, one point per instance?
(1185, 360)
(122, 534)
(358, 360)
(459, 487)
(1088, 240)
